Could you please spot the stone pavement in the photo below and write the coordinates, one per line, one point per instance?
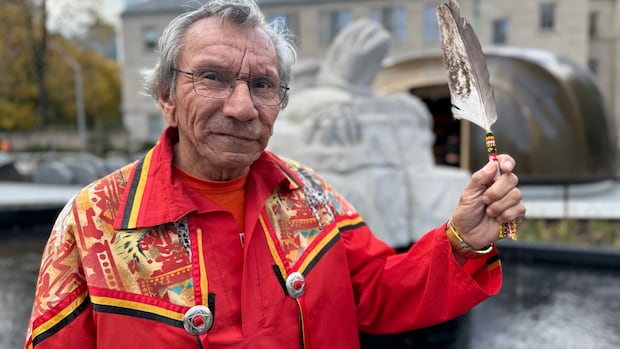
(599, 200)
(31, 196)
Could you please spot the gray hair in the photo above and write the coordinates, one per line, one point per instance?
(161, 79)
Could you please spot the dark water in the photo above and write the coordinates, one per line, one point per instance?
(552, 307)
(547, 306)
(20, 257)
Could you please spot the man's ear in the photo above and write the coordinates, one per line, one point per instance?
(168, 108)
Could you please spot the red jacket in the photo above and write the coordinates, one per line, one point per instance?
(134, 251)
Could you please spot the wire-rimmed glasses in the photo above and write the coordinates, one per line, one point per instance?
(219, 84)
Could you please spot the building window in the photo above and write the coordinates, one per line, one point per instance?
(393, 19)
(431, 27)
(331, 23)
(155, 126)
(149, 37)
(593, 65)
(547, 16)
(500, 31)
(593, 25)
(288, 20)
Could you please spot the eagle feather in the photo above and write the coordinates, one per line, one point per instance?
(471, 92)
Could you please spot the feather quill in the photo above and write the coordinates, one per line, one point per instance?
(471, 92)
(470, 87)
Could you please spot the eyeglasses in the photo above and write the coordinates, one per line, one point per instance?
(219, 84)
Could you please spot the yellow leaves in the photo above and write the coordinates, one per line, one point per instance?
(17, 116)
(101, 86)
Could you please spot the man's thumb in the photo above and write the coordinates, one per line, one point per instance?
(485, 175)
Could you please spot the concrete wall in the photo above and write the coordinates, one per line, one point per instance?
(57, 140)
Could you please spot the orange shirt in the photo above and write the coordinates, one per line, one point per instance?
(230, 195)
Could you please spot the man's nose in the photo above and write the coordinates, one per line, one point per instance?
(240, 104)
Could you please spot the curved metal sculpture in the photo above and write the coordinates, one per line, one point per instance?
(553, 119)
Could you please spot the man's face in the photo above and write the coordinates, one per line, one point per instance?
(220, 138)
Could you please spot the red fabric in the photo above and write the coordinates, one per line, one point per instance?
(141, 279)
(79, 333)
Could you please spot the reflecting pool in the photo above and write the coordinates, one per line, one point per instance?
(541, 305)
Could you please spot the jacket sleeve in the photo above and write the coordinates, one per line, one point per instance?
(61, 313)
(419, 288)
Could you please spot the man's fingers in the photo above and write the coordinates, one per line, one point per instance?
(507, 207)
(506, 163)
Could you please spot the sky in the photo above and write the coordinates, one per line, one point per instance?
(112, 10)
(62, 13)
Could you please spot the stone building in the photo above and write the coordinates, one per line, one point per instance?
(585, 31)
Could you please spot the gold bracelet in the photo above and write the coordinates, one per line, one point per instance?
(461, 247)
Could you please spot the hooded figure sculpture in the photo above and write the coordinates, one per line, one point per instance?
(376, 149)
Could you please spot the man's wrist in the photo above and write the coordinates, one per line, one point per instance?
(462, 247)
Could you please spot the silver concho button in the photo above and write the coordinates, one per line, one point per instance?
(295, 285)
(198, 320)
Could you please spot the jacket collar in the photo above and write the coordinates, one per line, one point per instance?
(153, 196)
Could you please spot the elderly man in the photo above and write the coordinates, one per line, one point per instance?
(210, 241)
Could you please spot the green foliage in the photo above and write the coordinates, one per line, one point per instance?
(17, 116)
(591, 232)
(19, 93)
(102, 86)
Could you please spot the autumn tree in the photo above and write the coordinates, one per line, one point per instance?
(19, 94)
(35, 81)
(100, 81)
